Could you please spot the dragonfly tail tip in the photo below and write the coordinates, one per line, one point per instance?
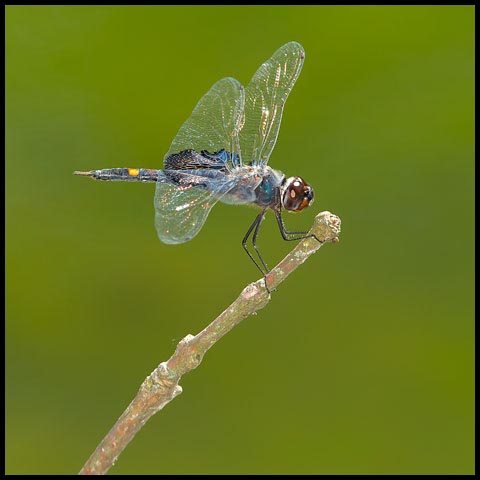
(83, 174)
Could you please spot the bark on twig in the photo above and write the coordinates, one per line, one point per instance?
(161, 386)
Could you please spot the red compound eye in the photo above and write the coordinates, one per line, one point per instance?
(296, 194)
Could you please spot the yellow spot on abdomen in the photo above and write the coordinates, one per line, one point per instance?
(133, 172)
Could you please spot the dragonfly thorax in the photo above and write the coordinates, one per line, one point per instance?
(267, 193)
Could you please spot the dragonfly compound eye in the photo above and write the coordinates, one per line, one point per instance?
(296, 194)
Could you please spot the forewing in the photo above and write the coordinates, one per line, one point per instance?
(181, 208)
(215, 122)
(265, 97)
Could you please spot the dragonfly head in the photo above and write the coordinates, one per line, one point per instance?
(296, 194)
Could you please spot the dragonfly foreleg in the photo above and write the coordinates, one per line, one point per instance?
(286, 235)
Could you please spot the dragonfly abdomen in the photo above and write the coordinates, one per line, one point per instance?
(122, 174)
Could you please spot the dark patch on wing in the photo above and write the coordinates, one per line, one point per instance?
(192, 160)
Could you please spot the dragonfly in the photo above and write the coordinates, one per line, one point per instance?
(221, 153)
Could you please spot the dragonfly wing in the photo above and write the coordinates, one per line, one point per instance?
(183, 200)
(214, 123)
(265, 97)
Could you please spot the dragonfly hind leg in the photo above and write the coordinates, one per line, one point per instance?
(255, 227)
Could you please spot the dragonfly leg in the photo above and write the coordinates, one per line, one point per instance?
(287, 235)
(254, 227)
(254, 241)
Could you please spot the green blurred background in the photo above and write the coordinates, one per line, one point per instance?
(363, 360)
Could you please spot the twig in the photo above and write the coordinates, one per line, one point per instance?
(161, 386)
